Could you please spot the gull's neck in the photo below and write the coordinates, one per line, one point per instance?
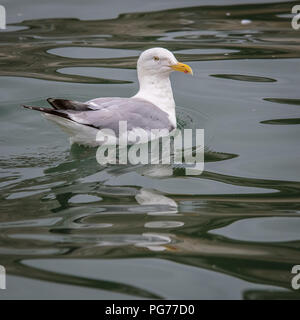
(156, 88)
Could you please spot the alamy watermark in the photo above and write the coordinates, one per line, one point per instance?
(296, 18)
(2, 277)
(157, 146)
(2, 17)
(296, 279)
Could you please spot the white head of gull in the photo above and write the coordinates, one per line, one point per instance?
(153, 68)
(153, 107)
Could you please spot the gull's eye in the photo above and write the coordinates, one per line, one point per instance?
(156, 58)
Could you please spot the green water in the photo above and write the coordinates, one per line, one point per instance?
(70, 228)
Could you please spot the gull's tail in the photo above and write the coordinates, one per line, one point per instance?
(60, 107)
(63, 112)
(63, 105)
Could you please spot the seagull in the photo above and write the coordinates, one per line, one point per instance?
(153, 107)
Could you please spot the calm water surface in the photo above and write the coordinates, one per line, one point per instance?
(70, 228)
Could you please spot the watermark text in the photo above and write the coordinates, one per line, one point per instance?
(296, 18)
(296, 279)
(156, 146)
(2, 277)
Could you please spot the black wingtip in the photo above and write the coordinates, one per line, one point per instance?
(27, 107)
(49, 111)
(50, 100)
(38, 109)
(64, 104)
(33, 108)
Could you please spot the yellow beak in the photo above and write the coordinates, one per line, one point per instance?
(182, 68)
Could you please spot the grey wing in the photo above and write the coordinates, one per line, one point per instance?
(107, 113)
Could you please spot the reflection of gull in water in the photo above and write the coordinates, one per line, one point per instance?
(153, 197)
(153, 107)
